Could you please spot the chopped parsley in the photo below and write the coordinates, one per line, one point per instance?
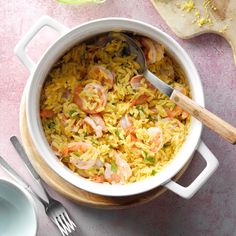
(150, 159)
(117, 133)
(71, 112)
(145, 153)
(113, 166)
(52, 125)
(140, 108)
(153, 172)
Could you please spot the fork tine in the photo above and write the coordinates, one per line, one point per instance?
(72, 224)
(68, 225)
(63, 226)
(59, 227)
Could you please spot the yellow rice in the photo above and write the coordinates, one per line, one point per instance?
(67, 124)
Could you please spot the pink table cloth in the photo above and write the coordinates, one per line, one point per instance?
(212, 211)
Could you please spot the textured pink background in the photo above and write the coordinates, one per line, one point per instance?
(212, 211)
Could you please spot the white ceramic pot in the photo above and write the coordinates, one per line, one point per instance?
(17, 210)
(70, 37)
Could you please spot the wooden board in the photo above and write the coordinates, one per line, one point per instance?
(72, 192)
(185, 24)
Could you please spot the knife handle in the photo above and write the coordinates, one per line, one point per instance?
(209, 119)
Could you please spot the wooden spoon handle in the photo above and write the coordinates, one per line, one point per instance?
(212, 121)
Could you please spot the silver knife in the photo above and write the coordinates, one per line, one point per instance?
(20, 150)
(6, 166)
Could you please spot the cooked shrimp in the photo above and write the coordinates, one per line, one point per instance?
(156, 138)
(122, 172)
(83, 148)
(99, 121)
(154, 52)
(97, 129)
(97, 124)
(101, 74)
(125, 122)
(91, 99)
(123, 169)
(127, 125)
(135, 82)
(177, 112)
(99, 178)
(47, 113)
(141, 99)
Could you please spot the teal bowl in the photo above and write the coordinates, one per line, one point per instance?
(17, 210)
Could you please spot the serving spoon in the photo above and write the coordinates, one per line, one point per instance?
(209, 119)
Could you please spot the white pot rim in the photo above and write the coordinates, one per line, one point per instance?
(67, 40)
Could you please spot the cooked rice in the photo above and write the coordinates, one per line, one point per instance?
(66, 125)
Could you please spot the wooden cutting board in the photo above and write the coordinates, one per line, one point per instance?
(70, 191)
(185, 23)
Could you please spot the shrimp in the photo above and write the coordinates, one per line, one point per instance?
(91, 99)
(135, 82)
(154, 52)
(122, 172)
(99, 178)
(156, 138)
(96, 123)
(141, 99)
(99, 121)
(47, 113)
(101, 74)
(123, 169)
(128, 127)
(83, 148)
(177, 112)
(125, 122)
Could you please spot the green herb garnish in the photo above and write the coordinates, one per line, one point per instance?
(153, 172)
(145, 153)
(140, 108)
(71, 112)
(52, 125)
(150, 159)
(113, 166)
(117, 133)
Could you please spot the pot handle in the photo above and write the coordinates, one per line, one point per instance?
(20, 48)
(211, 165)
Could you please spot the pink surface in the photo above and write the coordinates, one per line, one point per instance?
(212, 211)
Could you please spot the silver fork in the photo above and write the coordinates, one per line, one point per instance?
(53, 208)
